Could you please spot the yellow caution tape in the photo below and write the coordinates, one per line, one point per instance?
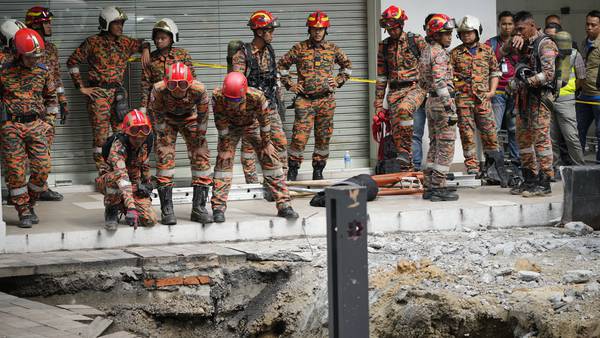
(588, 102)
(218, 66)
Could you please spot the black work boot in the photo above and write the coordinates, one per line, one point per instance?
(25, 217)
(318, 167)
(544, 187)
(167, 214)
(443, 194)
(532, 186)
(426, 184)
(293, 167)
(498, 159)
(527, 183)
(111, 217)
(199, 212)
(218, 216)
(287, 213)
(34, 217)
(50, 195)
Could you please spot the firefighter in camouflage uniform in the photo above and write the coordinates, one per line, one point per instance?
(398, 69)
(476, 76)
(436, 77)
(179, 104)
(127, 184)
(40, 19)
(256, 60)
(315, 92)
(534, 86)
(106, 55)
(242, 111)
(28, 109)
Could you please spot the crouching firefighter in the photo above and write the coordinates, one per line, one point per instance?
(244, 112)
(28, 108)
(256, 60)
(127, 184)
(179, 104)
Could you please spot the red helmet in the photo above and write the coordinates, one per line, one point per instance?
(318, 19)
(37, 15)
(136, 123)
(178, 75)
(392, 17)
(262, 19)
(235, 86)
(440, 23)
(29, 42)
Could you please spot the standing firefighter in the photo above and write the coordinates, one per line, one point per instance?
(244, 112)
(476, 75)
(40, 20)
(534, 85)
(28, 109)
(436, 77)
(315, 101)
(179, 104)
(106, 54)
(127, 185)
(398, 69)
(256, 60)
(164, 34)
(8, 29)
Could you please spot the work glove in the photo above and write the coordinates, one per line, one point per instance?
(132, 218)
(452, 119)
(451, 111)
(64, 113)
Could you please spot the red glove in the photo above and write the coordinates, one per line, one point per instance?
(379, 120)
(132, 218)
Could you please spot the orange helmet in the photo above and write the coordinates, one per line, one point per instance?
(29, 42)
(392, 17)
(37, 15)
(440, 23)
(136, 123)
(262, 19)
(235, 86)
(318, 19)
(178, 75)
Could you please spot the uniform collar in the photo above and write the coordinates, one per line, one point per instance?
(465, 49)
(313, 45)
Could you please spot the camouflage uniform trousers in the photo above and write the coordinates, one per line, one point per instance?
(441, 143)
(108, 185)
(474, 113)
(22, 142)
(279, 140)
(318, 112)
(402, 105)
(533, 136)
(102, 118)
(271, 167)
(197, 150)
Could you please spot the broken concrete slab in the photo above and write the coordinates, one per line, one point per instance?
(577, 276)
(96, 328)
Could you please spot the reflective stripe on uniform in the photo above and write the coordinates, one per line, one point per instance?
(98, 150)
(248, 156)
(265, 105)
(528, 150)
(52, 110)
(440, 168)
(406, 123)
(346, 71)
(123, 183)
(223, 132)
(273, 172)
(223, 174)
(546, 152)
(112, 191)
(284, 72)
(442, 92)
(18, 191)
(197, 173)
(323, 152)
(382, 78)
(265, 129)
(74, 70)
(165, 172)
(60, 90)
(36, 188)
(294, 153)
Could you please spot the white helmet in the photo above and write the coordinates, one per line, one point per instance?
(9, 28)
(470, 23)
(168, 26)
(110, 14)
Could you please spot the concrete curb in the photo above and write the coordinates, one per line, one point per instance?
(504, 215)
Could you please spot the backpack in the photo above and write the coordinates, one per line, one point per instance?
(556, 84)
(124, 140)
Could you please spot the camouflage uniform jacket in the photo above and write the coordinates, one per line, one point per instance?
(50, 59)
(263, 58)
(107, 59)
(314, 65)
(472, 73)
(6, 56)
(130, 168)
(28, 91)
(158, 64)
(254, 107)
(397, 64)
(194, 103)
(436, 73)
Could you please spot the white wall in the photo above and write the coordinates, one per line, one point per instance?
(574, 22)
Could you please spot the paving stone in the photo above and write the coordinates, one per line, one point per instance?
(149, 252)
(120, 334)
(46, 331)
(83, 310)
(96, 328)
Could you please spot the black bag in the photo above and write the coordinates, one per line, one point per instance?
(390, 163)
(362, 180)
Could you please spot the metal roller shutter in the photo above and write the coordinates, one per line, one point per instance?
(205, 29)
